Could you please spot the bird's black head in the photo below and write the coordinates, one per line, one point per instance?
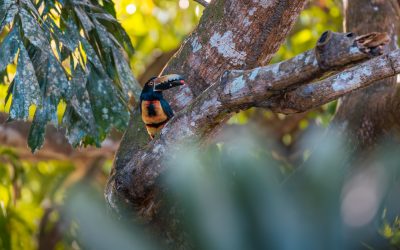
(158, 84)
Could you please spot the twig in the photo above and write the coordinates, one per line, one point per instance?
(202, 2)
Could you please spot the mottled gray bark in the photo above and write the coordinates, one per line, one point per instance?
(373, 113)
(242, 89)
(231, 35)
(235, 37)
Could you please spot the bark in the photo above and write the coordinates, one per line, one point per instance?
(242, 89)
(202, 2)
(235, 37)
(371, 114)
(231, 35)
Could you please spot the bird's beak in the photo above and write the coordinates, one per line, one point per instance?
(168, 81)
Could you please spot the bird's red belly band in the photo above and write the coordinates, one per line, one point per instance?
(158, 115)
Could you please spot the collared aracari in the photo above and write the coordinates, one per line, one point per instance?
(154, 109)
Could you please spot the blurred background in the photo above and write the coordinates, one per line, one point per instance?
(54, 199)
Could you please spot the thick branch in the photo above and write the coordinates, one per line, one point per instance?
(231, 35)
(239, 90)
(316, 94)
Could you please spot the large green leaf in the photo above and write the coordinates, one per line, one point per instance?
(109, 6)
(91, 55)
(108, 106)
(25, 88)
(9, 48)
(69, 41)
(128, 82)
(8, 10)
(43, 114)
(54, 85)
(87, 24)
(79, 116)
(56, 44)
(32, 30)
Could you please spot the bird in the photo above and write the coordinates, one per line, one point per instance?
(154, 109)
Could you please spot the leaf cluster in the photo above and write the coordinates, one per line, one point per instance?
(67, 51)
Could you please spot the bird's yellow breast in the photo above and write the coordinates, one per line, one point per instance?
(152, 112)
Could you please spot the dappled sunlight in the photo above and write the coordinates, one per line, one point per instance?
(260, 180)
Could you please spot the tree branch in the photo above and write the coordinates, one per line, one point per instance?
(56, 147)
(202, 2)
(316, 94)
(231, 35)
(263, 86)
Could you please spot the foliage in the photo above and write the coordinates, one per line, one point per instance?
(391, 230)
(71, 51)
(236, 196)
(44, 184)
(232, 192)
(27, 190)
(155, 27)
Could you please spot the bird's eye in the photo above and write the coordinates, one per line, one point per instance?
(151, 83)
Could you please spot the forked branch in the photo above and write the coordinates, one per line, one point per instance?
(284, 87)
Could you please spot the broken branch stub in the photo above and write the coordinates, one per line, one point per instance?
(334, 50)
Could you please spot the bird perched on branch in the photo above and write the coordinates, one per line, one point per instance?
(154, 109)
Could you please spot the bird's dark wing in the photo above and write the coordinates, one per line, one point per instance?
(167, 109)
(140, 104)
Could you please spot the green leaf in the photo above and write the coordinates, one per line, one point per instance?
(117, 31)
(79, 118)
(91, 55)
(33, 31)
(50, 74)
(38, 128)
(127, 80)
(54, 85)
(48, 6)
(124, 39)
(77, 130)
(108, 108)
(84, 19)
(96, 99)
(25, 87)
(31, 7)
(9, 48)
(109, 6)
(8, 10)
(68, 41)
(105, 16)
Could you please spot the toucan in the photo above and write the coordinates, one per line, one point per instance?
(154, 109)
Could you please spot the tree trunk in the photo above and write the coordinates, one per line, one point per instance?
(373, 113)
(234, 37)
(231, 35)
